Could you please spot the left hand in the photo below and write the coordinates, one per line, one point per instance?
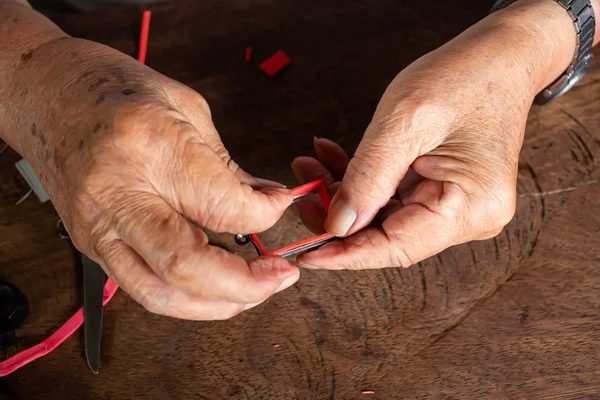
(438, 164)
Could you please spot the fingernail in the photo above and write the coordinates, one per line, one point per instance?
(268, 183)
(287, 282)
(307, 266)
(340, 218)
(316, 141)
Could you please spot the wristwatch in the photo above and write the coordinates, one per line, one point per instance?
(583, 17)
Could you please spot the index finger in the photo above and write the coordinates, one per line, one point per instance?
(178, 252)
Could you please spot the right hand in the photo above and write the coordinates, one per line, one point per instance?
(135, 172)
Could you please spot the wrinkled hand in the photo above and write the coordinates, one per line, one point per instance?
(136, 177)
(437, 165)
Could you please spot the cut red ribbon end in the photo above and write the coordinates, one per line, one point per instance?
(143, 47)
(275, 63)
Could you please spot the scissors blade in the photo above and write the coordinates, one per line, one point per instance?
(93, 293)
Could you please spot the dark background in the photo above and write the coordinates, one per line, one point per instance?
(511, 317)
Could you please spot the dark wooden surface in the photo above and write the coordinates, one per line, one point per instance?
(513, 317)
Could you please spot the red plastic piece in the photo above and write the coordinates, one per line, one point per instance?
(143, 47)
(248, 53)
(275, 63)
(321, 187)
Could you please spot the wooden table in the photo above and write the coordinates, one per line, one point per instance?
(512, 317)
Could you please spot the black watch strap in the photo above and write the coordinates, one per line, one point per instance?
(585, 24)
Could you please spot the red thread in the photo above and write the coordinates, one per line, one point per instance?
(248, 53)
(368, 392)
(275, 63)
(144, 36)
(275, 345)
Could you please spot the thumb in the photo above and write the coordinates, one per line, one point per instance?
(371, 180)
(209, 193)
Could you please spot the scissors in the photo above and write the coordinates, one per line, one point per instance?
(94, 280)
(98, 291)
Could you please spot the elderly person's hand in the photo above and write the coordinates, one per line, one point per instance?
(438, 163)
(136, 169)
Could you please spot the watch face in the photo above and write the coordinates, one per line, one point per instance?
(314, 189)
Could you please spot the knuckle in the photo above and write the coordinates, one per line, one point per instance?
(506, 215)
(232, 165)
(100, 245)
(222, 152)
(367, 179)
(499, 213)
(364, 245)
(174, 268)
(398, 257)
(150, 123)
(220, 212)
(131, 119)
(153, 299)
(504, 212)
(492, 233)
(202, 104)
(187, 98)
(224, 155)
(401, 122)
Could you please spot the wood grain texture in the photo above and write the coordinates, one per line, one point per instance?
(512, 317)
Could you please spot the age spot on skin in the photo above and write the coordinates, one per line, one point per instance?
(58, 161)
(80, 145)
(118, 74)
(34, 130)
(97, 127)
(97, 84)
(26, 56)
(101, 98)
